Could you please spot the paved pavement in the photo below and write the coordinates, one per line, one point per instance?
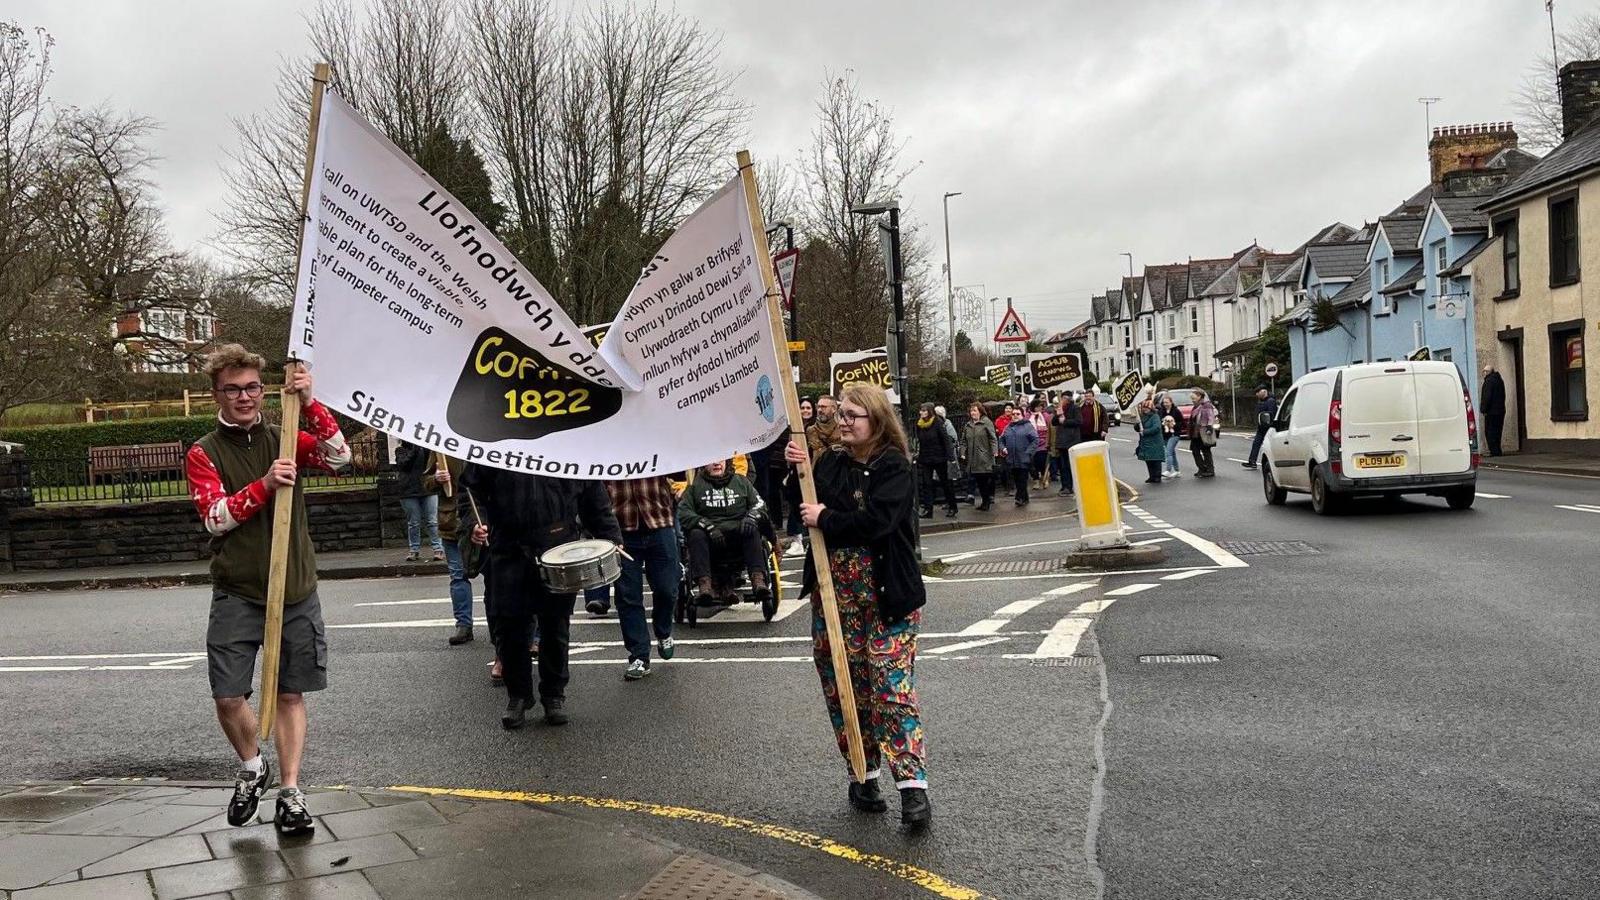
(159, 840)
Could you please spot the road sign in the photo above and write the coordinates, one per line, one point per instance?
(1011, 330)
(1014, 348)
(785, 264)
(1271, 370)
(797, 346)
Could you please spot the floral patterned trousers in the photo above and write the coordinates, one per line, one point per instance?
(881, 660)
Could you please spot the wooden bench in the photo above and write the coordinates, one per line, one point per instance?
(120, 463)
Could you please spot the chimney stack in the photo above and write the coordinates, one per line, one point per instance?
(1579, 84)
(1456, 148)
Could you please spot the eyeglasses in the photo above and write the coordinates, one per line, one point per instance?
(847, 417)
(232, 391)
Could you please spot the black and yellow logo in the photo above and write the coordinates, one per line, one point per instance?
(508, 390)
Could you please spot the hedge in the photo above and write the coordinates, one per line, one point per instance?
(69, 442)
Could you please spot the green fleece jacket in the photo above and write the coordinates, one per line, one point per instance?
(718, 502)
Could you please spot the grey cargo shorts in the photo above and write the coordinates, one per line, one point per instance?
(234, 635)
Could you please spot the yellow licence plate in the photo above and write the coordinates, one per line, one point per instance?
(1381, 461)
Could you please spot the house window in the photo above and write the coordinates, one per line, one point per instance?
(1094, 340)
(1194, 320)
(1568, 399)
(1175, 358)
(1564, 240)
(1441, 261)
(1510, 254)
(1127, 337)
(1150, 329)
(1172, 326)
(1196, 358)
(1380, 300)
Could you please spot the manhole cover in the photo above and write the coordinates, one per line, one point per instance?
(1180, 658)
(691, 878)
(1012, 567)
(1268, 548)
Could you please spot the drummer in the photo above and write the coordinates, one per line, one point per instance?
(525, 515)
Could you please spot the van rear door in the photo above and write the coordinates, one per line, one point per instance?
(1378, 405)
(1443, 446)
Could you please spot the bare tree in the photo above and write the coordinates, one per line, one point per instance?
(1538, 101)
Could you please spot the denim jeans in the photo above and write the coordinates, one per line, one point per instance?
(1255, 444)
(655, 556)
(460, 587)
(1172, 452)
(422, 511)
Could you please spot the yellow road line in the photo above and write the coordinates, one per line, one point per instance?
(929, 881)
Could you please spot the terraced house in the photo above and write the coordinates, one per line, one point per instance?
(1534, 319)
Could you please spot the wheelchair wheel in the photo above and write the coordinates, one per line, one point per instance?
(692, 610)
(769, 606)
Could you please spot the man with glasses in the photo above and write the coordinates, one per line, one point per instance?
(233, 474)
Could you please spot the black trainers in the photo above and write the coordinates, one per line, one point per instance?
(914, 806)
(293, 818)
(554, 711)
(248, 789)
(597, 608)
(866, 797)
(516, 714)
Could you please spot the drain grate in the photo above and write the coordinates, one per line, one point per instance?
(1013, 567)
(692, 878)
(1180, 658)
(1268, 548)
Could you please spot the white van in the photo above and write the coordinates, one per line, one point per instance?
(1371, 430)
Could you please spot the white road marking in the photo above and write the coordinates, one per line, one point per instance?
(1066, 589)
(1122, 440)
(94, 656)
(93, 668)
(1179, 576)
(1237, 460)
(1221, 557)
(1062, 641)
(751, 612)
(1093, 607)
(1583, 507)
(966, 645)
(999, 621)
(971, 553)
(1130, 590)
(1160, 540)
(1488, 496)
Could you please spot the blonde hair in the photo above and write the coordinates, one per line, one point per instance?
(231, 356)
(885, 430)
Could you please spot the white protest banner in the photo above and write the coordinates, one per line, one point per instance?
(418, 322)
(870, 366)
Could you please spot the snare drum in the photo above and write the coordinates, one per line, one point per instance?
(579, 565)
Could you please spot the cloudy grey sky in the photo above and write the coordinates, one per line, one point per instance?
(1075, 130)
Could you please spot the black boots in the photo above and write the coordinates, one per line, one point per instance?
(866, 797)
(914, 806)
(463, 635)
(516, 714)
(554, 711)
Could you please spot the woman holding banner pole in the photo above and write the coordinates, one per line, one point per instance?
(866, 493)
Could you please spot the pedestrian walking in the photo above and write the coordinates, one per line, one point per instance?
(935, 448)
(525, 515)
(233, 474)
(646, 513)
(1202, 433)
(865, 498)
(1093, 422)
(1152, 445)
(1041, 454)
(1066, 430)
(959, 484)
(1492, 403)
(1017, 446)
(451, 533)
(978, 447)
(1266, 411)
(1174, 428)
(413, 463)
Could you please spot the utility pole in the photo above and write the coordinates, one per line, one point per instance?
(949, 280)
(1427, 116)
(1555, 57)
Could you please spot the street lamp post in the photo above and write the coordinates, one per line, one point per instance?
(949, 279)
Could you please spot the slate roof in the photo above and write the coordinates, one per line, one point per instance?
(1337, 260)
(1356, 291)
(1461, 211)
(1237, 348)
(1403, 232)
(1575, 156)
(1205, 274)
(1097, 308)
(1467, 258)
(1161, 282)
(1407, 281)
(1282, 268)
(1416, 204)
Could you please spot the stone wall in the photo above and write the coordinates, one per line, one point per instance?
(79, 536)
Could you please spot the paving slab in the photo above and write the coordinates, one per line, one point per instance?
(397, 817)
(264, 838)
(343, 856)
(30, 860)
(219, 875)
(347, 886)
(156, 854)
(128, 886)
(38, 807)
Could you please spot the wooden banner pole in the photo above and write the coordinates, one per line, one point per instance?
(288, 445)
(440, 465)
(808, 487)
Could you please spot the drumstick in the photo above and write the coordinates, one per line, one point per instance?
(624, 553)
(475, 514)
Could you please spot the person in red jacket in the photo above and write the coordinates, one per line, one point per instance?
(233, 474)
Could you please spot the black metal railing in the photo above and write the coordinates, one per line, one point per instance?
(135, 474)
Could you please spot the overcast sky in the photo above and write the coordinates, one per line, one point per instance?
(1075, 130)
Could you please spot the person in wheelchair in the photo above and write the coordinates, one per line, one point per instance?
(724, 520)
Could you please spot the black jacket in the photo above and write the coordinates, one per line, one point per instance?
(872, 505)
(1492, 399)
(529, 514)
(933, 444)
(411, 463)
(1068, 425)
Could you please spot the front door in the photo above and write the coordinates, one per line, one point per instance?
(1516, 368)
